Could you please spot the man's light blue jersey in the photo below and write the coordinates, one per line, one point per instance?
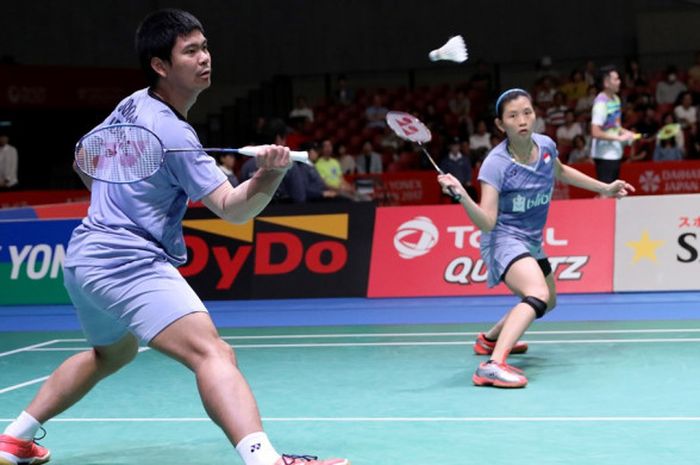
(143, 220)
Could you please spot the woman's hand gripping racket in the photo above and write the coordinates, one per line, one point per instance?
(410, 128)
(125, 153)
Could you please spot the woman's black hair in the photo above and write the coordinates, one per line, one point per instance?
(507, 96)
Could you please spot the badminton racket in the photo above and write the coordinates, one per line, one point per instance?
(126, 153)
(410, 128)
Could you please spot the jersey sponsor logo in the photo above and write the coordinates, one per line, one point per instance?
(547, 157)
(522, 204)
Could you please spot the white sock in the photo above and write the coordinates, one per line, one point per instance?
(256, 449)
(24, 427)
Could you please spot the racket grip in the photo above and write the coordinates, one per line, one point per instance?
(295, 155)
(454, 194)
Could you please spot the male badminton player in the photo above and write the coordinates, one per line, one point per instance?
(608, 135)
(120, 265)
(517, 178)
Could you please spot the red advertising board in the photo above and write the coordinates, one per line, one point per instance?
(400, 188)
(28, 86)
(434, 250)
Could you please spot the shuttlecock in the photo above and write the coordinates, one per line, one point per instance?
(453, 50)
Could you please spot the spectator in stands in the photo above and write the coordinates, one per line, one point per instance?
(606, 127)
(580, 152)
(480, 141)
(569, 130)
(585, 104)
(667, 150)
(540, 126)
(670, 118)
(227, 161)
(369, 161)
(390, 139)
(576, 88)
(634, 77)
(460, 105)
(668, 90)
(376, 113)
(329, 168)
(302, 110)
(590, 72)
(344, 95)
(694, 79)
(315, 188)
(8, 161)
(347, 161)
(647, 127)
(292, 187)
(546, 92)
(458, 165)
(248, 169)
(685, 112)
(555, 115)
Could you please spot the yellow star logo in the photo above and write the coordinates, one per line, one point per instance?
(644, 248)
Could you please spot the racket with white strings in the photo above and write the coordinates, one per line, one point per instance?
(126, 153)
(410, 128)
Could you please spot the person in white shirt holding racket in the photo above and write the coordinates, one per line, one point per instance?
(120, 267)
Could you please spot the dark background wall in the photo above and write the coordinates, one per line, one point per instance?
(253, 40)
(378, 43)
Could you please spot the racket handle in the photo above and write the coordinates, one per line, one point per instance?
(453, 193)
(295, 155)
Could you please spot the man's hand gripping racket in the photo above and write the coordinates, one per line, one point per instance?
(125, 153)
(410, 128)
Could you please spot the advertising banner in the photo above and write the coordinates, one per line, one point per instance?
(657, 243)
(31, 261)
(312, 250)
(400, 188)
(434, 250)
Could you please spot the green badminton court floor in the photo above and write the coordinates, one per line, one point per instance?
(600, 393)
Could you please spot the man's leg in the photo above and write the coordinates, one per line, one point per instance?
(77, 375)
(66, 386)
(228, 400)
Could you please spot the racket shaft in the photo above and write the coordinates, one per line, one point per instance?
(437, 168)
(450, 190)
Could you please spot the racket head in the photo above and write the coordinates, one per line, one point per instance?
(408, 127)
(119, 153)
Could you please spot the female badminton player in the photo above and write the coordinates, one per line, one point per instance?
(517, 178)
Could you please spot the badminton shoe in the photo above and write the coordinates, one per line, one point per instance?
(309, 460)
(15, 451)
(483, 346)
(500, 375)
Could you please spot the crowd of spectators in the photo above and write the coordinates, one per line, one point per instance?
(350, 134)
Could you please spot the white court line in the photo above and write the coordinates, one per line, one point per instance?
(439, 334)
(24, 349)
(416, 343)
(645, 419)
(21, 385)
